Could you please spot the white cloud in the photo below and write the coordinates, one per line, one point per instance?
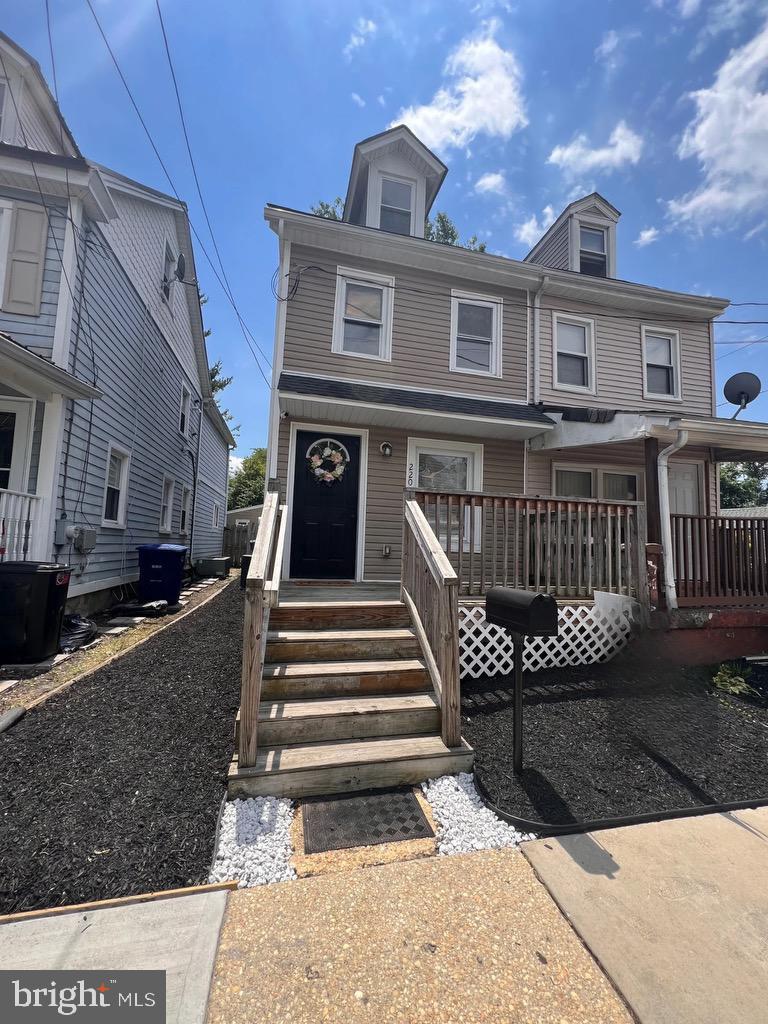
(729, 137)
(481, 95)
(357, 99)
(624, 147)
(608, 44)
(646, 237)
(235, 464)
(363, 30)
(381, 101)
(610, 50)
(492, 181)
(687, 8)
(531, 230)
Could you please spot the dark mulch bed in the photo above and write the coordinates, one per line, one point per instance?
(113, 786)
(627, 737)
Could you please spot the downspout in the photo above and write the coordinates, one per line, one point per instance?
(670, 591)
(537, 337)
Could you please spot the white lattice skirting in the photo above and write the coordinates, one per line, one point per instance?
(587, 633)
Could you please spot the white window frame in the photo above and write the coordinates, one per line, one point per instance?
(433, 446)
(6, 220)
(166, 525)
(581, 321)
(492, 302)
(185, 509)
(577, 221)
(403, 180)
(216, 515)
(169, 298)
(125, 475)
(674, 337)
(185, 409)
(387, 284)
(597, 473)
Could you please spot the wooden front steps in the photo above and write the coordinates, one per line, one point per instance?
(346, 704)
(315, 769)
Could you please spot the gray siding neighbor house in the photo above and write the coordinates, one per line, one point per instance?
(109, 434)
(404, 364)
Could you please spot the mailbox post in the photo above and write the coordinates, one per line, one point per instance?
(522, 613)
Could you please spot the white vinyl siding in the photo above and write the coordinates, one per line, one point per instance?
(574, 353)
(363, 315)
(475, 334)
(116, 487)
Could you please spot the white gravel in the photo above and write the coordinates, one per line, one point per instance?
(254, 842)
(464, 822)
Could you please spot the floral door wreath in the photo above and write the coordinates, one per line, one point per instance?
(327, 460)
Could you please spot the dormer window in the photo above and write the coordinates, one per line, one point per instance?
(396, 206)
(592, 252)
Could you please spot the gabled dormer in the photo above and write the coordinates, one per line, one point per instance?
(393, 183)
(583, 239)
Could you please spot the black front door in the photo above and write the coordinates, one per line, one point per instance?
(325, 493)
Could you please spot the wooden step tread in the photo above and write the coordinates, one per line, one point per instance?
(314, 606)
(331, 635)
(278, 710)
(308, 757)
(287, 670)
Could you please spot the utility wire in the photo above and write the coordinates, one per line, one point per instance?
(173, 187)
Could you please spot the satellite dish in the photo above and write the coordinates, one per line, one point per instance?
(181, 267)
(741, 389)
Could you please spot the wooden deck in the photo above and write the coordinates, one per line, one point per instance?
(292, 592)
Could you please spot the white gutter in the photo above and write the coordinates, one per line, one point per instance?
(536, 335)
(666, 525)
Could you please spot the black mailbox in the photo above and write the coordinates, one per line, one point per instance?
(521, 611)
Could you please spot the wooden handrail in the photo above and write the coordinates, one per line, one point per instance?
(261, 592)
(430, 593)
(419, 492)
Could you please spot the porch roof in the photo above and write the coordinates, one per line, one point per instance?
(729, 439)
(352, 402)
(37, 377)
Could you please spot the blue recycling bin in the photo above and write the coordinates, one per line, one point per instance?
(161, 569)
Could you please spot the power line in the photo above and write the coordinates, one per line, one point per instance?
(170, 182)
(749, 344)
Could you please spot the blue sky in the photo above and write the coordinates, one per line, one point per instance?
(661, 105)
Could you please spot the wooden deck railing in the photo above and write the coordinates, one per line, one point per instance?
(568, 548)
(430, 592)
(261, 591)
(720, 560)
(19, 516)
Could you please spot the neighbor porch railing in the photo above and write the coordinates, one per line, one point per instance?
(567, 548)
(431, 594)
(720, 560)
(19, 524)
(262, 586)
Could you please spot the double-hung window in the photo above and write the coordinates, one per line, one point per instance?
(475, 334)
(604, 484)
(166, 505)
(573, 355)
(116, 487)
(363, 317)
(396, 210)
(184, 411)
(661, 359)
(593, 259)
(186, 495)
(216, 516)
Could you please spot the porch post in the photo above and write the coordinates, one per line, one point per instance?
(653, 510)
(48, 477)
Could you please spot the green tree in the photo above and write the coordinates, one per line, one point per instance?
(332, 211)
(443, 230)
(743, 483)
(246, 486)
(218, 381)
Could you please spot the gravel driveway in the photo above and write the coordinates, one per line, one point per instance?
(113, 786)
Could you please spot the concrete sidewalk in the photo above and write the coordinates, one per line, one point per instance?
(471, 938)
(175, 934)
(676, 912)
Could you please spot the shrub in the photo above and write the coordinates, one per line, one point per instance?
(731, 677)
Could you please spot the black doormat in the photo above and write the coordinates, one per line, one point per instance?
(363, 819)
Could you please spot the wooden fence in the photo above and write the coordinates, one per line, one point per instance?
(237, 541)
(557, 546)
(720, 561)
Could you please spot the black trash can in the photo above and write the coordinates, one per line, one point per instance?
(161, 570)
(32, 599)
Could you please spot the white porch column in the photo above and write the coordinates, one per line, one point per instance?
(670, 590)
(48, 478)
